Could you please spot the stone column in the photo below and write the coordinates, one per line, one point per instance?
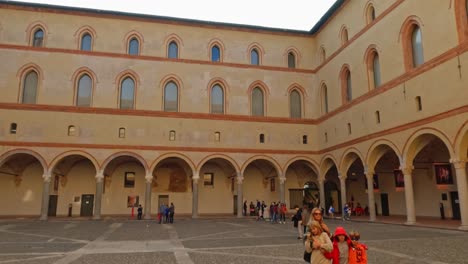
(343, 190)
(98, 198)
(195, 180)
(370, 193)
(240, 207)
(282, 194)
(460, 168)
(149, 182)
(45, 195)
(322, 193)
(409, 195)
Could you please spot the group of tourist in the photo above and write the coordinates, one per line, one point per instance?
(276, 212)
(323, 247)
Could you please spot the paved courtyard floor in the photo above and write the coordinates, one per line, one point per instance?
(205, 241)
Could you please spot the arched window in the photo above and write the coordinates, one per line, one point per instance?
(127, 93)
(344, 36)
(217, 136)
(134, 47)
(173, 52)
(30, 84)
(86, 41)
(122, 132)
(295, 104)
(83, 93)
(254, 57)
(291, 60)
(346, 85)
(349, 89)
(171, 97)
(417, 47)
(323, 55)
(324, 99)
(172, 135)
(71, 131)
(38, 39)
(257, 102)
(217, 100)
(376, 70)
(215, 54)
(13, 128)
(370, 16)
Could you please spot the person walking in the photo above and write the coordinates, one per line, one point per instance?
(298, 218)
(162, 213)
(140, 212)
(331, 212)
(171, 213)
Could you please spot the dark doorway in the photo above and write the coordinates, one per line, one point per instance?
(332, 196)
(384, 202)
(87, 203)
(52, 211)
(235, 204)
(455, 206)
(163, 199)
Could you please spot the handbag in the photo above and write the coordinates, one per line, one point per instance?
(307, 256)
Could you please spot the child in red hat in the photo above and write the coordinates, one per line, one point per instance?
(342, 246)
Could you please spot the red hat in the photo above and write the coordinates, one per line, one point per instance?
(340, 231)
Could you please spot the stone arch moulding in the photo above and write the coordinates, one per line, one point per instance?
(459, 142)
(124, 153)
(324, 168)
(344, 166)
(181, 156)
(65, 154)
(408, 160)
(315, 166)
(262, 157)
(37, 155)
(219, 156)
(220, 44)
(31, 29)
(375, 145)
(81, 31)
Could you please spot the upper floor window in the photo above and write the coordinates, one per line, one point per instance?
(134, 47)
(346, 85)
(257, 102)
(323, 55)
(217, 100)
(83, 93)
(291, 60)
(13, 128)
(376, 71)
(86, 42)
(173, 50)
(171, 97)
(30, 84)
(417, 47)
(254, 57)
(38, 39)
(71, 131)
(127, 93)
(295, 104)
(344, 36)
(215, 54)
(324, 99)
(370, 15)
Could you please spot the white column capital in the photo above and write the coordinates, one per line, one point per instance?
(341, 177)
(240, 180)
(149, 177)
(458, 164)
(195, 175)
(320, 180)
(407, 170)
(368, 171)
(47, 176)
(282, 180)
(99, 176)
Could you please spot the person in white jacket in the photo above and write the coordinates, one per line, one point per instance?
(319, 243)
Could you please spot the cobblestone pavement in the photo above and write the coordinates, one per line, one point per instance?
(204, 241)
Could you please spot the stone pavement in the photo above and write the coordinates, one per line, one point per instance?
(212, 240)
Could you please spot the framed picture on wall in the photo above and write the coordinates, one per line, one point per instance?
(208, 179)
(133, 201)
(272, 185)
(443, 173)
(399, 178)
(129, 180)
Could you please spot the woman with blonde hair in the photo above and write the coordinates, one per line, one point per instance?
(316, 215)
(318, 243)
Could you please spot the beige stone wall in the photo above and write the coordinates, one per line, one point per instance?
(42, 130)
